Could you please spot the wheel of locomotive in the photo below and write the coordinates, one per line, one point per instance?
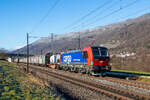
(72, 69)
(87, 71)
(69, 68)
(90, 73)
(82, 70)
(66, 68)
(75, 70)
(63, 67)
(60, 67)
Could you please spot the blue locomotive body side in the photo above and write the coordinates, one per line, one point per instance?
(75, 57)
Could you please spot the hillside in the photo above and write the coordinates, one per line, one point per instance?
(131, 35)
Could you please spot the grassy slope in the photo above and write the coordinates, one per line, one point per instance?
(16, 85)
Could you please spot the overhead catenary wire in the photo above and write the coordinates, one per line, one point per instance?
(45, 16)
(139, 11)
(120, 4)
(113, 12)
(107, 8)
(88, 14)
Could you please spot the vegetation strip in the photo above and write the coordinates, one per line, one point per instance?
(16, 85)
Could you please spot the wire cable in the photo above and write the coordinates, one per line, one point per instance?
(115, 11)
(135, 12)
(46, 15)
(88, 14)
(107, 8)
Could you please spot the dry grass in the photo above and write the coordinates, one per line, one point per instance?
(140, 62)
(32, 79)
(17, 85)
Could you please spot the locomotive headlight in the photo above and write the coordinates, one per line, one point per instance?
(101, 61)
(110, 64)
(92, 63)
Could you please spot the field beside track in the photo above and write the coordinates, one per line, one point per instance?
(17, 85)
(144, 76)
(130, 71)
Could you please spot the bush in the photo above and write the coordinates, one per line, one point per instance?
(3, 56)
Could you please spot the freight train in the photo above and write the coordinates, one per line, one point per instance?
(91, 60)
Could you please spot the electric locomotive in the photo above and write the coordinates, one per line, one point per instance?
(91, 60)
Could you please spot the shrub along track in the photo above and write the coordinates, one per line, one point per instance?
(116, 93)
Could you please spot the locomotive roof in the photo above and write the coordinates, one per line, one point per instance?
(80, 50)
(99, 47)
(73, 51)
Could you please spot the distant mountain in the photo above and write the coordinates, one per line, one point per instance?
(130, 35)
(4, 50)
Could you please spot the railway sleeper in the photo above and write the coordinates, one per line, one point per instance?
(103, 86)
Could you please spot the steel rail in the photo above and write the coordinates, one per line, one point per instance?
(123, 94)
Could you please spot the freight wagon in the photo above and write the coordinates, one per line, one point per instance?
(37, 60)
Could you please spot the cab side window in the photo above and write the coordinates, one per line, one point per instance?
(85, 54)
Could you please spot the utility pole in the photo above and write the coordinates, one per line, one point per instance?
(79, 41)
(41, 51)
(52, 37)
(72, 44)
(27, 52)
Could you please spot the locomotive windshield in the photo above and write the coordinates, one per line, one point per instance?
(100, 52)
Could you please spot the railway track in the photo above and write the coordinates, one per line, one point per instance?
(125, 84)
(108, 90)
(131, 83)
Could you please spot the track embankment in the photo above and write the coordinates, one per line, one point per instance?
(97, 87)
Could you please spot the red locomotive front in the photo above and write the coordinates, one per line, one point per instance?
(98, 58)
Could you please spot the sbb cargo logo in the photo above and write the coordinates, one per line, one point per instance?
(76, 59)
(67, 58)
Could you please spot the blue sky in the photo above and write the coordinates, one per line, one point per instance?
(18, 17)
